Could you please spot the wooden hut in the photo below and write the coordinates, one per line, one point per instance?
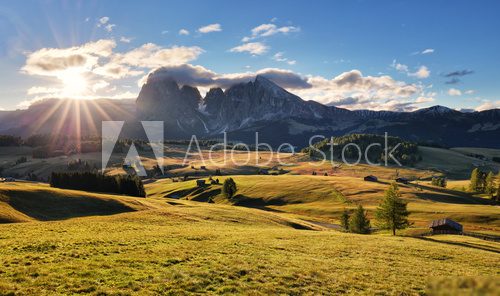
(402, 180)
(371, 178)
(200, 183)
(445, 226)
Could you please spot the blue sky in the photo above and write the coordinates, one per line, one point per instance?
(397, 55)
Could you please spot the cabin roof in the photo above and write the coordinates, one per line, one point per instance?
(447, 222)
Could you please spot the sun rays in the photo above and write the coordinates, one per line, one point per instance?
(76, 119)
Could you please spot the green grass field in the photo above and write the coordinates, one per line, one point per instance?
(323, 198)
(181, 247)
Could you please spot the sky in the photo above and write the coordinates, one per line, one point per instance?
(380, 55)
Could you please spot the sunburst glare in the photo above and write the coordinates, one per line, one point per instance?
(75, 84)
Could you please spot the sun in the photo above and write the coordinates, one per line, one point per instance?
(75, 85)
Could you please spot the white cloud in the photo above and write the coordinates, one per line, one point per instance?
(210, 28)
(488, 105)
(399, 67)
(421, 100)
(279, 57)
(99, 85)
(35, 90)
(255, 48)
(151, 55)
(103, 20)
(183, 32)
(55, 61)
(266, 30)
(454, 92)
(427, 51)
(116, 71)
(164, 32)
(422, 72)
(370, 90)
(109, 27)
(125, 39)
(470, 92)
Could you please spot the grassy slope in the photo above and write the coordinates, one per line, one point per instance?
(453, 162)
(186, 247)
(319, 197)
(25, 201)
(488, 152)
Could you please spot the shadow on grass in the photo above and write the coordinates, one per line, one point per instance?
(449, 196)
(462, 244)
(257, 203)
(48, 206)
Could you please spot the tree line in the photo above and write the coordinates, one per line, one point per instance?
(97, 182)
(407, 152)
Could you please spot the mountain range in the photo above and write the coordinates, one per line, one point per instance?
(255, 106)
(280, 116)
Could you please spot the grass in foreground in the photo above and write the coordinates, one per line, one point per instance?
(189, 247)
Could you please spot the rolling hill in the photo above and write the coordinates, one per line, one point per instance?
(323, 198)
(168, 246)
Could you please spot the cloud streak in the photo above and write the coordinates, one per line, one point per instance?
(266, 30)
(210, 28)
(254, 48)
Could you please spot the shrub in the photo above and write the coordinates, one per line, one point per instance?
(229, 188)
(439, 181)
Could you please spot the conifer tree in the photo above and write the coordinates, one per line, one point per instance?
(475, 180)
(392, 213)
(344, 220)
(359, 223)
(489, 184)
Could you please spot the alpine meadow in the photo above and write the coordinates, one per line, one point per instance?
(265, 148)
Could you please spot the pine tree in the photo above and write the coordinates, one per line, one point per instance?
(344, 220)
(489, 184)
(392, 213)
(475, 180)
(229, 188)
(359, 223)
